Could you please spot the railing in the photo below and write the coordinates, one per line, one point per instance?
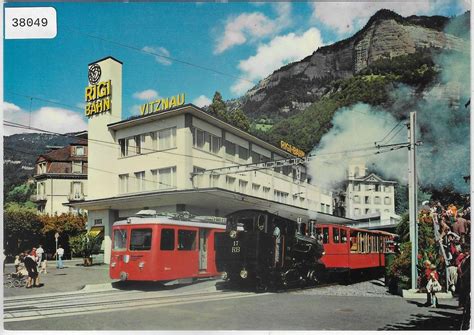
(38, 197)
(76, 197)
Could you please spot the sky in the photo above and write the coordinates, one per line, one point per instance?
(208, 47)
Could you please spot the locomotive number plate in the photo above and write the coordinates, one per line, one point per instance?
(235, 247)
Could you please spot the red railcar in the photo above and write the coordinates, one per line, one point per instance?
(347, 248)
(163, 249)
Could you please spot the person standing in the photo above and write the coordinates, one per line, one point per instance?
(59, 253)
(31, 267)
(433, 286)
(40, 254)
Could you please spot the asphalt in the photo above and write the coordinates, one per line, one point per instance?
(73, 277)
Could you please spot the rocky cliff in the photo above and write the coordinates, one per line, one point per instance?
(294, 86)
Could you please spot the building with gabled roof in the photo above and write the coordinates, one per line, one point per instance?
(61, 177)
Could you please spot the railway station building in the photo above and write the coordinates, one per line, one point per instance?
(158, 160)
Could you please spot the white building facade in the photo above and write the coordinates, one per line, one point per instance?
(367, 195)
(155, 161)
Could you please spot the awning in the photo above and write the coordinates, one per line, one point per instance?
(96, 231)
(226, 201)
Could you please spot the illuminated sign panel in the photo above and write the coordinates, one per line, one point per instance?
(292, 149)
(98, 98)
(162, 104)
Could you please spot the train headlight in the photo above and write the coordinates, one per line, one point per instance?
(324, 253)
(141, 265)
(224, 275)
(112, 265)
(233, 234)
(244, 274)
(123, 276)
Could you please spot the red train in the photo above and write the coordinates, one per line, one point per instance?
(349, 249)
(162, 248)
(272, 251)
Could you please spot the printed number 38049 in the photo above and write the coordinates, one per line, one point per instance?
(29, 22)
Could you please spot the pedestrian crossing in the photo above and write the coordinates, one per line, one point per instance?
(78, 303)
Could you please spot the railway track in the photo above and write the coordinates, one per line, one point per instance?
(63, 305)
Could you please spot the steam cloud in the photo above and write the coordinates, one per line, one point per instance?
(442, 125)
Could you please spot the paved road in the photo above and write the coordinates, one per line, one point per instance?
(362, 306)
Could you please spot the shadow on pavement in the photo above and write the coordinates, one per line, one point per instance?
(437, 320)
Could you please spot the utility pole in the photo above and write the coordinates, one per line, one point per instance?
(412, 198)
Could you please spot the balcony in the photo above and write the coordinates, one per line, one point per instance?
(76, 197)
(38, 197)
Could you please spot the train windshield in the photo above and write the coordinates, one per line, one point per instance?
(140, 239)
(120, 239)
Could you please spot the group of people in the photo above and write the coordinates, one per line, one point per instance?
(33, 262)
(452, 231)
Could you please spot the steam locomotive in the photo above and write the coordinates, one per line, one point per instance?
(268, 251)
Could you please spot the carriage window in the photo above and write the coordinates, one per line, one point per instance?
(335, 235)
(325, 235)
(120, 239)
(343, 236)
(186, 240)
(354, 244)
(140, 239)
(167, 239)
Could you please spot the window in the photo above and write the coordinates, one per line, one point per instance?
(367, 200)
(77, 167)
(325, 235)
(167, 239)
(167, 178)
(357, 187)
(123, 183)
(215, 180)
(322, 208)
(123, 147)
(97, 222)
(140, 239)
(335, 235)
(377, 200)
(343, 236)
(356, 199)
(229, 181)
(287, 170)
(186, 239)
(242, 186)
(328, 209)
(76, 190)
(120, 239)
(387, 188)
(199, 138)
(255, 157)
(266, 191)
(140, 180)
(198, 169)
(378, 188)
(215, 144)
(79, 151)
(387, 201)
(230, 149)
(356, 211)
(243, 153)
(255, 188)
(138, 145)
(42, 168)
(167, 138)
(280, 196)
(367, 210)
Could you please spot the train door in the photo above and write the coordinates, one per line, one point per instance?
(203, 237)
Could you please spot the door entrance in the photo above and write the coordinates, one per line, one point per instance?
(203, 234)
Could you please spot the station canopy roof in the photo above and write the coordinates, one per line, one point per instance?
(226, 201)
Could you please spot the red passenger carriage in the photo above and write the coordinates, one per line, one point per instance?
(161, 248)
(347, 249)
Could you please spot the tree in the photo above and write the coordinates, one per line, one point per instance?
(218, 107)
(22, 228)
(20, 193)
(239, 119)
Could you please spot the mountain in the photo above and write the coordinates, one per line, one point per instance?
(295, 86)
(21, 151)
